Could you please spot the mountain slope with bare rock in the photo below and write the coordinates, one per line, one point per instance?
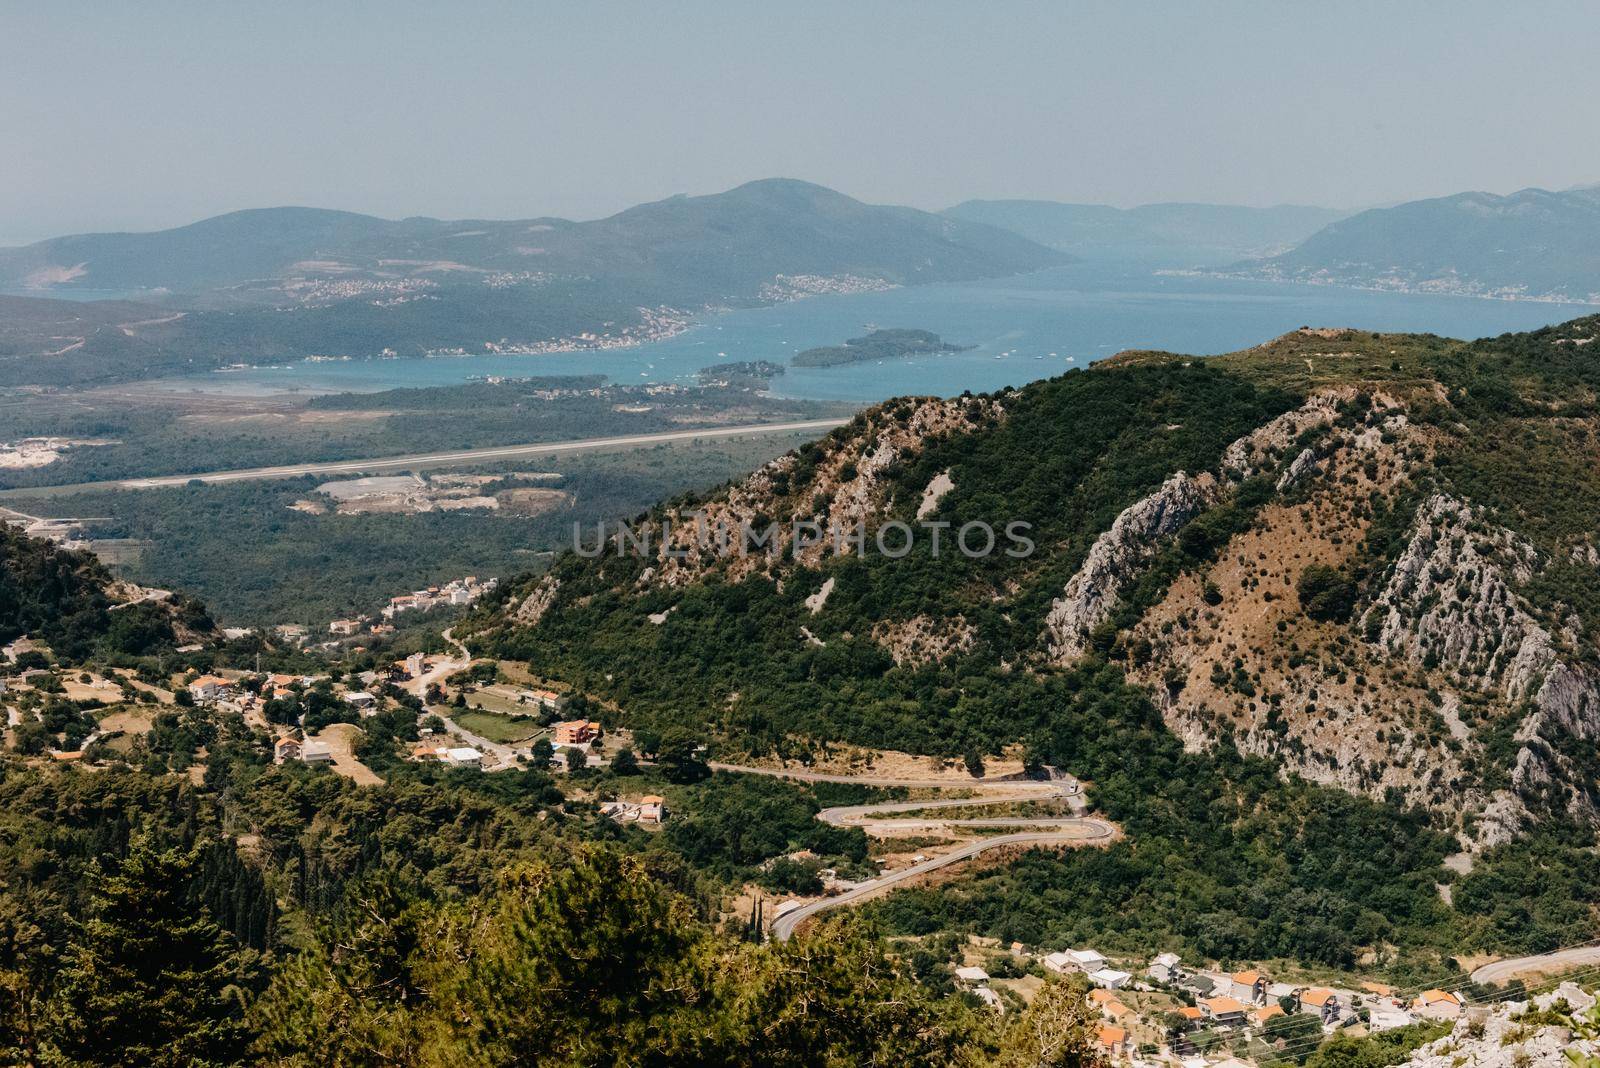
(1368, 559)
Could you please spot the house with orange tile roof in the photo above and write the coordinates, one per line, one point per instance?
(1224, 1010)
(1322, 1002)
(1266, 1012)
(1110, 1006)
(1114, 1041)
(1249, 987)
(208, 688)
(576, 732)
(1437, 1005)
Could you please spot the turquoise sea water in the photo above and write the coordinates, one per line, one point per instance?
(1022, 328)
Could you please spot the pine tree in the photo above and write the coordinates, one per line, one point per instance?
(151, 980)
(1055, 1031)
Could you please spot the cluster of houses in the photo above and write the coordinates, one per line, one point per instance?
(460, 591)
(231, 695)
(1227, 1003)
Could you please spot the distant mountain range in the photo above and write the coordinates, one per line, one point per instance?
(282, 283)
(1176, 234)
(286, 283)
(1534, 244)
(724, 246)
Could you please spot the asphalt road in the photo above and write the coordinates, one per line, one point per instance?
(1543, 963)
(1087, 829)
(446, 459)
(1061, 830)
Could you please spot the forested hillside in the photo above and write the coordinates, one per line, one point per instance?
(1315, 623)
(1361, 561)
(170, 897)
(69, 600)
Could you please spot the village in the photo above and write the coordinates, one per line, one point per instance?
(472, 716)
(1167, 1013)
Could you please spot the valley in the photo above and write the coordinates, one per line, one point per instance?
(1293, 678)
(825, 536)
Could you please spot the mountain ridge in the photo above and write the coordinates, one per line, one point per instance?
(1531, 244)
(282, 284)
(289, 235)
(1180, 233)
(1339, 551)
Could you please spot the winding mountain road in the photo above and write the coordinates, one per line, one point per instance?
(1076, 830)
(1541, 964)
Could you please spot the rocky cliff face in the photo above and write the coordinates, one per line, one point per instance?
(1116, 558)
(805, 502)
(1450, 603)
(1560, 1029)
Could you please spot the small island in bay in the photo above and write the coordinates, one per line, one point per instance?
(878, 345)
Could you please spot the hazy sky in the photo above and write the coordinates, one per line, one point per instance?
(143, 115)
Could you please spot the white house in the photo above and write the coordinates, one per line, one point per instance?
(1086, 961)
(1109, 978)
(314, 752)
(1164, 969)
(1388, 1018)
(1278, 991)
(463, 757)
(971, 976)
(207, 688)
(360, 700)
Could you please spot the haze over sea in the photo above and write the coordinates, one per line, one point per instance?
(1022, 328)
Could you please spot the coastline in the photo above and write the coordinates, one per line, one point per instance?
(1409, 290)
